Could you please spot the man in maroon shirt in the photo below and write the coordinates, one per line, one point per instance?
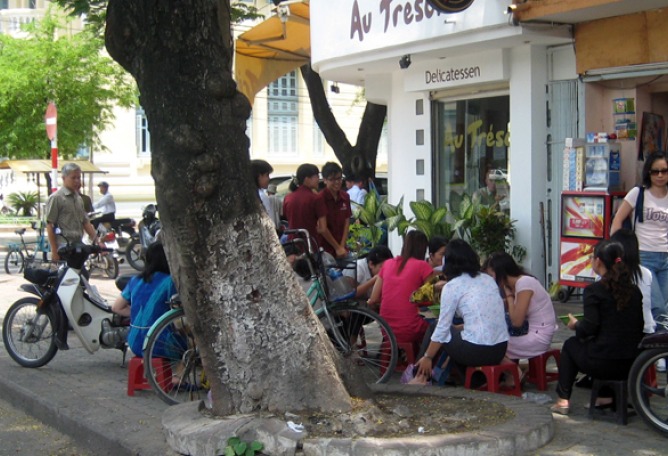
(299, 206)
(334, 205)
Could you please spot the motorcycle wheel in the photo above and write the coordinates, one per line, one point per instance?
(110, 266)
(14, 262)
(648, 390)
(28, 344)
(133, 253)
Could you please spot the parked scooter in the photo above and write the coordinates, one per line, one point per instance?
(648, 389)
(36, 327)
(147, 234)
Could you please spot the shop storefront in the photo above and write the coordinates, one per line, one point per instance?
(466, 100)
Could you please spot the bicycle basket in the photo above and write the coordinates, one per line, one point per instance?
(40, 272)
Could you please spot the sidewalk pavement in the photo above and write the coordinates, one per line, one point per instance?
(84, 395)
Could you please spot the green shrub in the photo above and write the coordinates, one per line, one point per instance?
(24, 202)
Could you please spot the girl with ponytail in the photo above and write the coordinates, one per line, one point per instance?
(606, 339)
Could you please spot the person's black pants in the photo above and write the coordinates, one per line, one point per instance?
(574, 359)
(106, 218)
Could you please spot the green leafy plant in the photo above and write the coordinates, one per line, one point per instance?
(237, 447)
(367, 230)
(431, 220)
(486, 228)
(24, 202)
(395, 219)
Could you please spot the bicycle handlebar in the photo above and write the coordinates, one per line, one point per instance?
(303, 233)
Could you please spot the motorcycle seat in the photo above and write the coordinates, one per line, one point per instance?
(656, 340)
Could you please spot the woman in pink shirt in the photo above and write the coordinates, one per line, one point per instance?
(397, 279)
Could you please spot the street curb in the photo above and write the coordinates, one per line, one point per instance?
(80, 430)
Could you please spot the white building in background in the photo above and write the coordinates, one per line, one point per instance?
(282, 129)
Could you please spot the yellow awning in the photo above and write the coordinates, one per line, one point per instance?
(272, 48)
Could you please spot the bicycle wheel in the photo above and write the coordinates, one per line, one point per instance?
(648, 390)
(14, 262)
(368, 339)
(29, 338)
(134, 255)
(172, 363)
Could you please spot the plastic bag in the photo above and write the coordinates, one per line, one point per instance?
(411, 377)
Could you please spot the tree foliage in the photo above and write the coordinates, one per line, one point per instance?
(70, 71)
(96, 12)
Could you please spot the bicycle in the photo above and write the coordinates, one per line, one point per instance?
(355, 330)
(20, 253)
(172, 362)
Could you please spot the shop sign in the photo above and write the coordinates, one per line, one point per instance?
(352, 27)
(489, 66)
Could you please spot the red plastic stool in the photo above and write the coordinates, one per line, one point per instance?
(538, 374)
(493, 377)
(407, 347)
(137, 379)
(409, 350)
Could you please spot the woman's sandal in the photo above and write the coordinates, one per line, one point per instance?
(560, 409)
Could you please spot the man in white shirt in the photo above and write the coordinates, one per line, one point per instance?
(106, 205)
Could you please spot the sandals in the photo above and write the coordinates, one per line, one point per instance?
(560, 409)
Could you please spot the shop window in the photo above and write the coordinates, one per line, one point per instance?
(142, 133)
(472, 150)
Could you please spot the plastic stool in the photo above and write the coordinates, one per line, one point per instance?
(493, 377)
(409, 350)
(538, 374)
(407, 347)
(620, 388)
(137, 379)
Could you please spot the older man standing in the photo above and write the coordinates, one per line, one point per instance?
(65, 210)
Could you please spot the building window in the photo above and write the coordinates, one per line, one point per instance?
(318, 141)
(32, 4)
(4, 4)
(283, 115)
(143, 135)
(473, 151)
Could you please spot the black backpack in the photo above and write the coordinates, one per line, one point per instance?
(630, 223)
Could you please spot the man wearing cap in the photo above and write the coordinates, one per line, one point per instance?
(105, 205)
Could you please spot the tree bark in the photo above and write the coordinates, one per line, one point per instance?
(360, 158)
(261, 344)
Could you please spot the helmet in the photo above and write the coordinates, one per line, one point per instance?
(150, 212)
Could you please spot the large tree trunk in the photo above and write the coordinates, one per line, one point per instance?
(360, 158)
(259, 339)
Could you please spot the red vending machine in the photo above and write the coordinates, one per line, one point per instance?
(585, 219)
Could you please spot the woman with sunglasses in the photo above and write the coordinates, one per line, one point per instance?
(652, 231)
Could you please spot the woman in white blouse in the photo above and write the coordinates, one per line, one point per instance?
(483, 338)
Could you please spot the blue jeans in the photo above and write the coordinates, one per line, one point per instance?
(657, 263)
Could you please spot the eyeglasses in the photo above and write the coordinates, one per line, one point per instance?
(340, 178)
(656, 172)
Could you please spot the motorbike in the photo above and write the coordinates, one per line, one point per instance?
(648, 389)
(147, 234)
(36, 327)
(105, 263)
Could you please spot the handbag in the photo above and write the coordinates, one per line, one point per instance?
(515, 331)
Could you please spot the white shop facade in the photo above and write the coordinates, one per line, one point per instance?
(467, 94)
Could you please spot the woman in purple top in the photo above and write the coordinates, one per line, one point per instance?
(525, 299)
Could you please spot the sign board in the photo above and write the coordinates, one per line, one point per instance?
(51, 121)
(482, 67)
